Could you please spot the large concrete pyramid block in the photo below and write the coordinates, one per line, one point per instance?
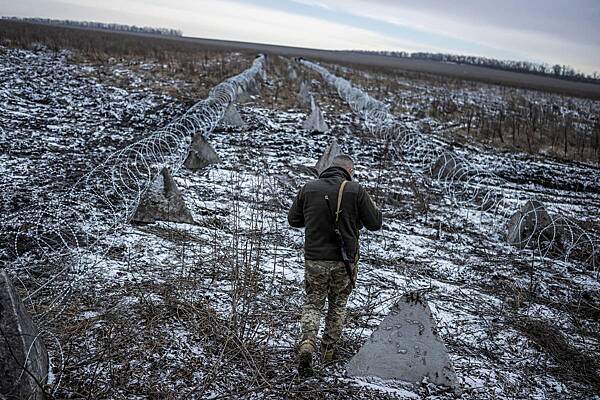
(20, 346)
(232, 117)
(242, 95)
(315, 121)
(524, 226)
(304, 96)
(253, 87)
(406, 347)
(201, 154)
(263, 74)
(163, 202)
(292, 74)
(332, 151)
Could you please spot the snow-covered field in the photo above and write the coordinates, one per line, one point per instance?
(211, 310)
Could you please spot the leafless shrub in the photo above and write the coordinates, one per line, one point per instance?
(570, 362)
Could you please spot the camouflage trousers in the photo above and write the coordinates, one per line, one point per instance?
(325, 280)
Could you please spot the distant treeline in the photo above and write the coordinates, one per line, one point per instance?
(557, 71)
(101, 25)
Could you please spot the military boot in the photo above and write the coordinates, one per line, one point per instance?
(305, 355)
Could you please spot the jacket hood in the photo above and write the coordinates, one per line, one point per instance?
(336, 171)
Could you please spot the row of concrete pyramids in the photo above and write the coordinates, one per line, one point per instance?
(315, 121)
(164, 202)
(21, 346)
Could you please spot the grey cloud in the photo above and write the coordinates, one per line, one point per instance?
(577, 21)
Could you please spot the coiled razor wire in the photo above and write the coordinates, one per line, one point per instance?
(107, 197)
(466, 183)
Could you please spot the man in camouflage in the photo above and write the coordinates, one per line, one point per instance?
(325, 274)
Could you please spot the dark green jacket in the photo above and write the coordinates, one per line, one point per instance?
(310, 210)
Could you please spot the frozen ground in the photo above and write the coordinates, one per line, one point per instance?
(211, 310)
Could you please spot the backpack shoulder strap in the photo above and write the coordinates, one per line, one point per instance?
(339, 201)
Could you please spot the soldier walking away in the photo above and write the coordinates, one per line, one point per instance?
(333, 209)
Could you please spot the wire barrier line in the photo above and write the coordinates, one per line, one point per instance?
(466, 183)
(106, 198)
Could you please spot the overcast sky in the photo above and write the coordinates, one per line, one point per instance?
(552, 31)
